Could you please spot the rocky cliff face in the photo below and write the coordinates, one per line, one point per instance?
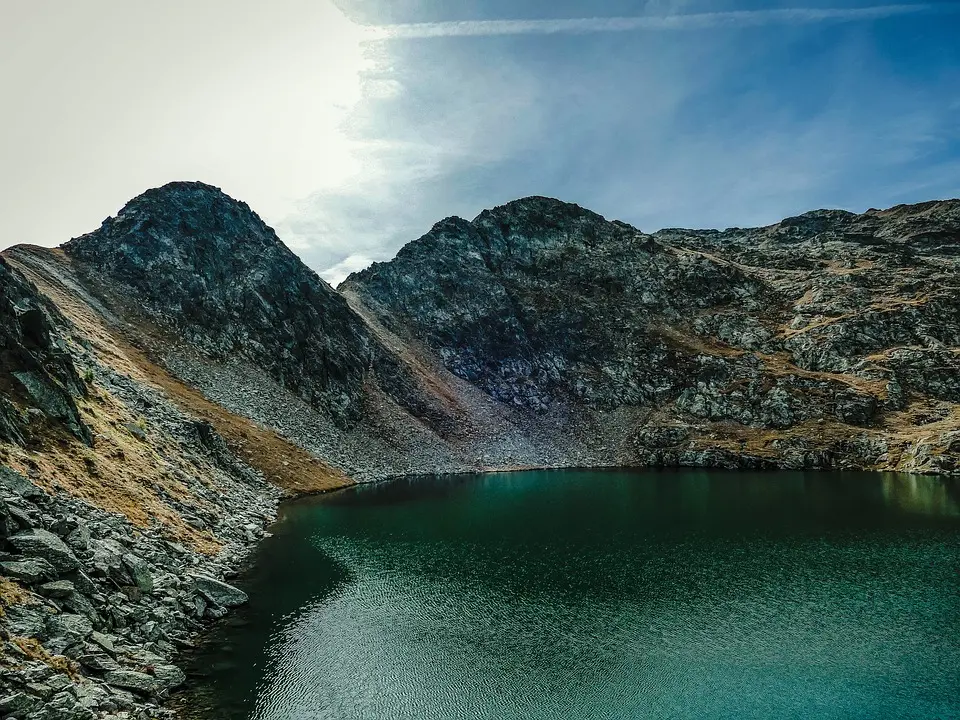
(540, 301)
(38, 380)
(847, 322)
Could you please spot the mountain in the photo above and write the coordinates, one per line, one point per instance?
(828, 339)
(206, 268)
(168, 377)
(541, 333)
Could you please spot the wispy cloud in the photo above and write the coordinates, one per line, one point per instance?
(690, 21)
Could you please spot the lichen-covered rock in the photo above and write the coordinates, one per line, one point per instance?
(29, 570)
(16, 483)
(57, 589)
(68, 627)
(132, 680)
(139, 572)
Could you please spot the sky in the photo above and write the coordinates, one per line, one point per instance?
(352, 126)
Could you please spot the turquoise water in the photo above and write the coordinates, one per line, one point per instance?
(600, 594)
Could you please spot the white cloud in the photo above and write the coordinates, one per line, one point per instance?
(689, 21)
(338, 273)
(113, 97)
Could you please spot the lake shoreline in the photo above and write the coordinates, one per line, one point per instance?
(182, 703)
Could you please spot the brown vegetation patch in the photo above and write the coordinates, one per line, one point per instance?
(13, 593)
(284, 464)
(121, 473)
(34, 649)
(780, 364)
(695, 344)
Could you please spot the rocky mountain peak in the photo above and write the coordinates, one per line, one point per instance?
(206, 266)
(539, 300)
(816, 221)
(538, 208)
(182, 225)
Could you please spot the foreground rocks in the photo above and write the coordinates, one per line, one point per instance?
(106, 611)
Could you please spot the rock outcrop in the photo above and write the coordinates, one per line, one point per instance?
(38, 380)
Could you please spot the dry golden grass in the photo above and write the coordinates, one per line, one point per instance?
(834, 267)
(127, 475)
(34, 649)
(13, 593)
(121, 473)
(696, 343)
(781, 364)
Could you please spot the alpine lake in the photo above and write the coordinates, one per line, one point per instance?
(589, 594)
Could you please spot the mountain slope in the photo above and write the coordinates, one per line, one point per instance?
(165, 379)
(206, 267)
(839, 332)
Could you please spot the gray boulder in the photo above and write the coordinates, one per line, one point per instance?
(18, 484)
(70, 627)
(29, 570)
(48, 546)
(219, 592)
(98, 662)
(104, 641)
(132, 680)
(18, 704)
(64, 706)
(139, 572)
(169, 676)
(57, 589)
(79, 539)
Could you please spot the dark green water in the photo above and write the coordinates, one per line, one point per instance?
(585, 594)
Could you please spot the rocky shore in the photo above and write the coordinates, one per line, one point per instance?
(122, 516)
(96, 611)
